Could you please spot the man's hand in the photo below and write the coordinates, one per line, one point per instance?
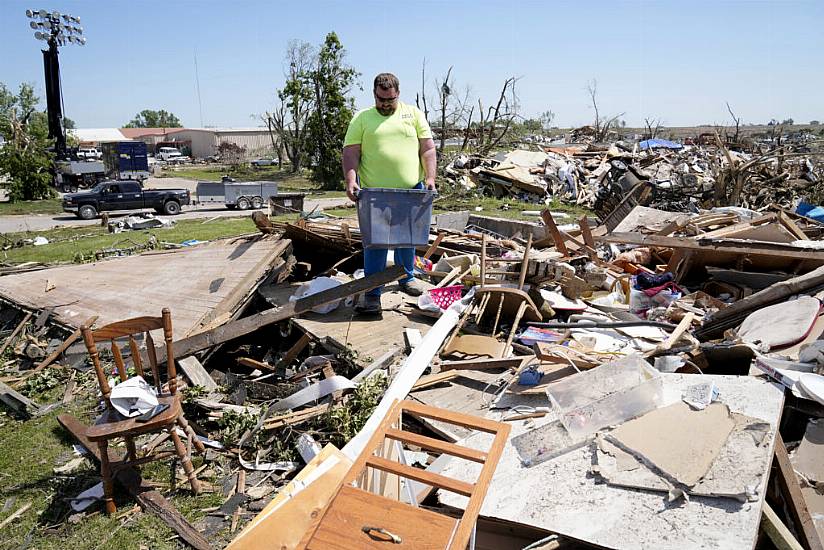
(429, 184)
(351, 160)
(351, 189)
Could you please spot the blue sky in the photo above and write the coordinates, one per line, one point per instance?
(677, 61)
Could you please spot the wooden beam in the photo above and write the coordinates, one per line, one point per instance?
(795, 499)
(549, 222)
(246, 325)
(482, 364)
(196, 374)
(148, 498)
(20, 403)
(255, 364)
(73, 337)
(586, 233)
(752, 248)
(434, 246)
(17, 329)
(434, 379)
(777, 531)
(295, 350)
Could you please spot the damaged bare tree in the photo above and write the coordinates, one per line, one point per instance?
(496, 122)
(420, 98)
(290, 118)
(451, 111)
(653, 128)
(444, 93)
(601, 125)
(737, 121)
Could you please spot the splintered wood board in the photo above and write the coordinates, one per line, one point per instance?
(193, 282)
(370, 336)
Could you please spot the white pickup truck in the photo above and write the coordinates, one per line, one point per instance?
(171, 156)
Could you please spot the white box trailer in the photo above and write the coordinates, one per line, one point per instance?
(240, 195)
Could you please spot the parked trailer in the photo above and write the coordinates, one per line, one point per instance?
(242, 195)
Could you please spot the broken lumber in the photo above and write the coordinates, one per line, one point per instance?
(481, 364)
(16, 330)
(246, 325)
(735, 246)
(777, 531)
(19, 403)
(196, 374)
(72, 338)
(255, 364)
(735, 313)
(549, 221)
(148, 498)
(799, 513)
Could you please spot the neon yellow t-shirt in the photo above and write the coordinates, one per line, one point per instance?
(389, 146)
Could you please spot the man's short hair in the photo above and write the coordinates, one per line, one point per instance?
(387, 81)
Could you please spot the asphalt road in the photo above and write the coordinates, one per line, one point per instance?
(40, 222)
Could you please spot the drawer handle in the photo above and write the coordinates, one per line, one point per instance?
(386, 535)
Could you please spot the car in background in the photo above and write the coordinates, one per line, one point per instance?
(168, 153)
(89, 153)
(257, 163)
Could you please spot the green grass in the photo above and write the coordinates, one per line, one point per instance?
(73, 242)
(502, 208)
(31, 449)
(46, 206)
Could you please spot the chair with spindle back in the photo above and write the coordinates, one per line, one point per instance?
(112, 425)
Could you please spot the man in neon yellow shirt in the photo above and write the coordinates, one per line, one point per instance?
(388, 145)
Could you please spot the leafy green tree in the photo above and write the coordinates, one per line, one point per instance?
(148, 118)
(24, 157)
(289, 121)
(68, 123)
(331, 80)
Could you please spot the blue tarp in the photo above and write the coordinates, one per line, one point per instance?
(811, 211)
(660, 144)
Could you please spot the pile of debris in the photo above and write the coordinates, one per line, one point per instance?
(621, 385)
(655, 173)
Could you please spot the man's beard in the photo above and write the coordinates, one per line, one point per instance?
(386, 111)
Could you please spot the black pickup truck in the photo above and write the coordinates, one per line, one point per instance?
(124, 195)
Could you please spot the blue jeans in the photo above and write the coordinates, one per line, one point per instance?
(374, 261)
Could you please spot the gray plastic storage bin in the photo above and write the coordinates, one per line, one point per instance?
(394, 218)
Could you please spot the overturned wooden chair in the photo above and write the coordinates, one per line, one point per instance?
(112, 425)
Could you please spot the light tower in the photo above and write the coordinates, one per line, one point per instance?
(56, 29)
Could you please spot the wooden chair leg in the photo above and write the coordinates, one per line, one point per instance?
(184, 458)
(106, 474)
(184, 424)
(131, 450)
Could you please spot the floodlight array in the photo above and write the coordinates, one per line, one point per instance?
(56, 27)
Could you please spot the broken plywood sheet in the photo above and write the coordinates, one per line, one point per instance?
(371, 337)
(737, 472)
(562, 496)
(193, 282)
(680, 442)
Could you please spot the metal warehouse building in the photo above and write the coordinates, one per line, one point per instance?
(196, 142)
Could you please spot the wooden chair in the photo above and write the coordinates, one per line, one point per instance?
(112, 425)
